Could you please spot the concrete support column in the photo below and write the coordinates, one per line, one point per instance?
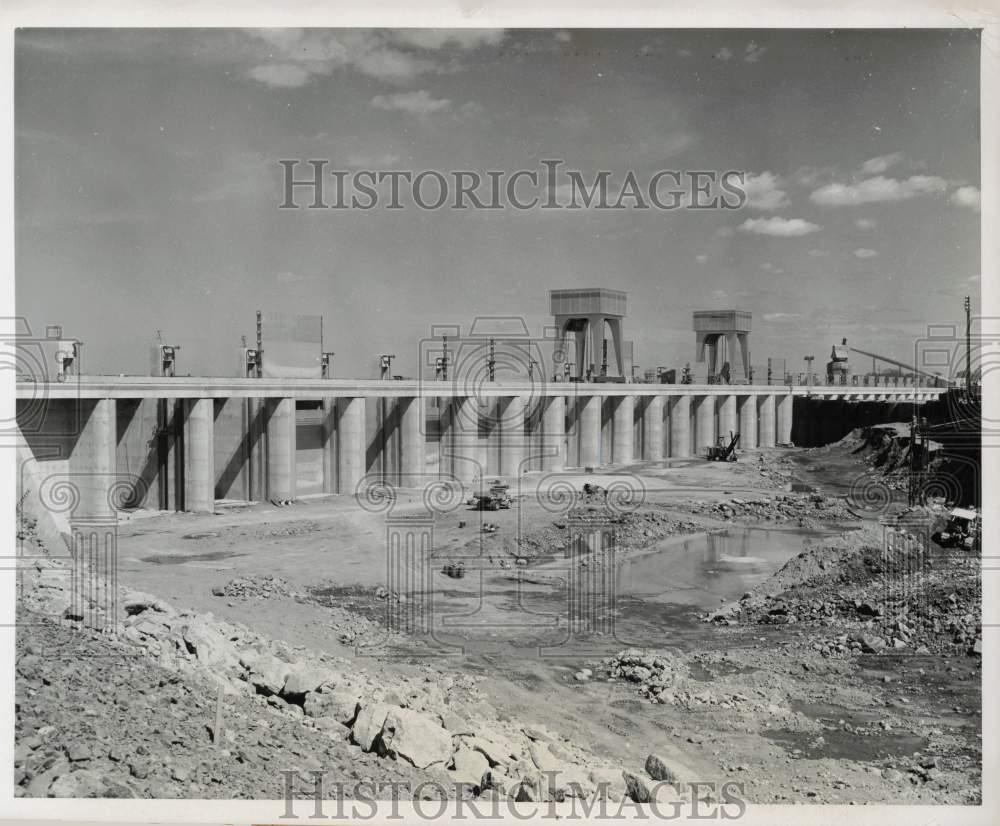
(329, 445)
(766, 422)
(281, 449)
(680, 427)
(411, 425)
(512, 438)
(623, 430)
(589, 423)
(727, 417)
(704, 433)
(468, 459)
(748, 422)
(554, 434)
(93, 463)
(199, 455)
(785, 419)
(652, 429)
(350, 444)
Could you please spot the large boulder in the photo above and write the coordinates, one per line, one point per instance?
(663, 768)
(368, 724)
(137, 602)
(499, 749)
(303, 678)
(339, 703)
(470, 768)
(415, 736)
(207, 644)
(268, 675)
(638, 788)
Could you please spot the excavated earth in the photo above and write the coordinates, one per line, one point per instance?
(256, 641)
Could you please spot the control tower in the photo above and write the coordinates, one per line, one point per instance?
(586, 314)
(722, 338)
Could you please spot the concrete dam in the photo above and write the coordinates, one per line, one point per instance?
(111, 443)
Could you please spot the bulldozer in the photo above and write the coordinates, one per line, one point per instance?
(723, 452)
(496, 498)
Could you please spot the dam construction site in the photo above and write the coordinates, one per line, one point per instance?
(533, 571)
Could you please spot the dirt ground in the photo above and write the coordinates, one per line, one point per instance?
(760, 707)
(538, 606)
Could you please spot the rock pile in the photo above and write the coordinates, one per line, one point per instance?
(254, 587)
(803, 510)
(882, 591)
(655, 674)
(436, 723)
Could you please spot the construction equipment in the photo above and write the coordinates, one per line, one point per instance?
(962, 529)
(497, 498)
(723, 452)
(838, 368)
(902, 364)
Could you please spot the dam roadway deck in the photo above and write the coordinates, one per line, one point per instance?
(202, 387)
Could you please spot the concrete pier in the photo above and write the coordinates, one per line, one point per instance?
(281, 449)
(589, 424)
(766, 422)
(748, 422)
(727, 417)
(680, 427)
(93, 463)
(785, 420)
(553, 443)
(413, 455)
(623, 437)
(652, 429)
(350, 444)
(199, 455)
(704, 433)
(512, 438)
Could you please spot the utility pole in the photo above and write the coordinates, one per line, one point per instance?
(444, 358)
(809, 371)
(968, 346)
(491, 362)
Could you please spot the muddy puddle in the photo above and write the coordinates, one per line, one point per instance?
(841, 744)
(181, 559)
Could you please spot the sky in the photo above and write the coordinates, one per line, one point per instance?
(148, 185)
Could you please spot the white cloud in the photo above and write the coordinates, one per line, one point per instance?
(725, 53)
(874, 190)
(441, 38)
(753, 52)
(966, 196)
(865, 253)
(281, 75)
(291, 277)
(763, 191)
(701, 258)
(719, 295)
(818, 253)
(876, 166)
(563, 36)
(297, 56)
(413, 103)
(767, 266)
(865, 223)
(781, 316)
(778, 227)
(684, 53)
